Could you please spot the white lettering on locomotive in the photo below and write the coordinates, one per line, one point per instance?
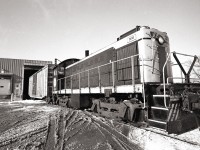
(131, 38)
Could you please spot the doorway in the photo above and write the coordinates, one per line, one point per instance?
(28, 71)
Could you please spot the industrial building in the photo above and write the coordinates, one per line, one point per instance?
(14, 76)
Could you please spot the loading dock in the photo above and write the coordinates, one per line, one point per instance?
(6, 86)
(28, 71)
(20, 70)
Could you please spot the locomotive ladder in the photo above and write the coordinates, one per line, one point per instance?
(158, 111)
(165, 111)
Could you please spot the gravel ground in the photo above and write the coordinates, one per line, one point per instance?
(35, 125)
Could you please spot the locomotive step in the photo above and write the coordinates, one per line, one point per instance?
(159, 101)
(160, 108)
(160, 114)
(157, 123)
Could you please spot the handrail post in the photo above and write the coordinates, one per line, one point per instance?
(113, 75)
(89, 80)
(79, 76)
(65, 84)
(99, 78)
(164, 79)
(144, 96)
(133, 73)
(60, 86)
(71, 83)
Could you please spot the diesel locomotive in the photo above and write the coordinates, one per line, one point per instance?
(131, 79)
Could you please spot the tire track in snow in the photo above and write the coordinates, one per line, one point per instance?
(73, 129)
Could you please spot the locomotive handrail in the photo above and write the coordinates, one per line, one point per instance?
(183, 54)
(112, 63)
(178, 78)
(164, 84)
(173, 78)
(143, 82)
(100, 66)
(164, 79)
(113, 76)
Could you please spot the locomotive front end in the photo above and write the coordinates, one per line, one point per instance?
(153, 49)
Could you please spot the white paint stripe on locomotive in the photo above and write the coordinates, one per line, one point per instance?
(95, 90)
(85, 90)
(76, 91)
(129, 88)
(62, 91)
(92, 90)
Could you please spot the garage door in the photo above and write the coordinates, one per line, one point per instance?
(5, 87)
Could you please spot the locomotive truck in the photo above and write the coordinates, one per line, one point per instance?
(131, 79)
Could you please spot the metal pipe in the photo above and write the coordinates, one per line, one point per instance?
(178, 78)
(71, 84)
(143, 83)
(65, 85)
(99, 79)
(113, 76)
(79, 82)
(184, 54)
(104, 64)
(60, 86)
(89, 80)
(164, 79)
(133, 73)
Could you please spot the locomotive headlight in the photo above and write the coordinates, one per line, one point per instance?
(161, 40)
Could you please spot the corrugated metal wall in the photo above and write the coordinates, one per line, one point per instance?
(17, 66)
(12, 66)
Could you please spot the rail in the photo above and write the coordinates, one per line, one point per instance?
(113, 64)
(179, 78)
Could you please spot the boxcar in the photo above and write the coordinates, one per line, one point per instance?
(41, 83)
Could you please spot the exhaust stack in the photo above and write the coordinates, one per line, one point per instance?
(86, 53)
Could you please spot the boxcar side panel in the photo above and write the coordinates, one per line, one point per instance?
(30, 88)
(34, 85)
(42, 78)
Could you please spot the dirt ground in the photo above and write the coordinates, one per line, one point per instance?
(36, 125)
(32, 125)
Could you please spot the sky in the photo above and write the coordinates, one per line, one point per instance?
(62, 29)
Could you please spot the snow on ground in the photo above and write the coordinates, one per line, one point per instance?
(36, 125)
(153, 141)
